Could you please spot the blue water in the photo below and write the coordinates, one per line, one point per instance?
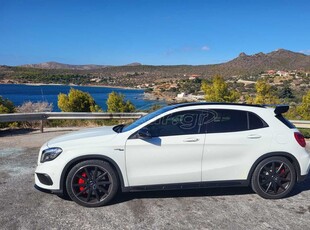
(19, 94)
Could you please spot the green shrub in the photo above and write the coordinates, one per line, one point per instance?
(305, 132)
(116, 103)
(6, 106)
(77, 101)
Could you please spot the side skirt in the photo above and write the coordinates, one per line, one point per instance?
(195, 185)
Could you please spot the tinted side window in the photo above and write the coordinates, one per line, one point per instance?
(227, 121)
(255, 122)
(179, 123)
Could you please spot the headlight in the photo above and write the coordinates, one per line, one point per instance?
(50, 154)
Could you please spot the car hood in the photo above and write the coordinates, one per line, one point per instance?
(104, 133)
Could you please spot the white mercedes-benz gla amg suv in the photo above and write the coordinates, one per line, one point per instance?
(194, 145)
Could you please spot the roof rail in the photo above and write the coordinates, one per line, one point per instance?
(215, 103)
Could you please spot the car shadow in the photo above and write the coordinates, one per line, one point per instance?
(123, 197)
(301, 187)
(208, 192)
(163, 194)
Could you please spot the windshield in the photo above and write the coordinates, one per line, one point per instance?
(147, 118)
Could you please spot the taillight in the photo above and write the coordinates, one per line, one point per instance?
(300, 139)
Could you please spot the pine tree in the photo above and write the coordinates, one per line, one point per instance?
(116, 103)
(264, 94)
(77, 101)
(218, 91)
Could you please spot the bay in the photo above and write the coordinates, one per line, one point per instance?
(19, 93)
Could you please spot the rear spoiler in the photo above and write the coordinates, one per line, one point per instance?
(281, 109)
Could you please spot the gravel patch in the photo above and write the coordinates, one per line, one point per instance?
(23, 207)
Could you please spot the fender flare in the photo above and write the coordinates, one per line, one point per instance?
(287, 155)
(79, 159)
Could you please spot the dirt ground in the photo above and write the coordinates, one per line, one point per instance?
(23, 207)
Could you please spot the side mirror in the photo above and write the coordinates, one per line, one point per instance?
(144, 133)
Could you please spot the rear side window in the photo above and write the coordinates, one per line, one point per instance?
(285, 121)
(224, 120)
(255, 122)
(227, 121)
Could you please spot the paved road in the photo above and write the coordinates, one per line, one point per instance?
(23, 207)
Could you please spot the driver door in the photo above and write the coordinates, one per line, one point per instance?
(172, 154)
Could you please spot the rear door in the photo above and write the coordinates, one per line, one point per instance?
(233, 139)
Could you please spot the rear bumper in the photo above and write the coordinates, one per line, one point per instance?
(304, 162)
(302, 178)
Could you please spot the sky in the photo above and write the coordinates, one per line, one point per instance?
(152, 32)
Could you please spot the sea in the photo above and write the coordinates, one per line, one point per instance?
(19, 94)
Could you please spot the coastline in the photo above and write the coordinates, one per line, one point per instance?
(21, 93)
(145, 96)
(55, 84)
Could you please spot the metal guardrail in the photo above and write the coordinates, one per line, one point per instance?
(301, 124)
(11, 117)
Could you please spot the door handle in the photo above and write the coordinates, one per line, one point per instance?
(254, 136)
(191, 140)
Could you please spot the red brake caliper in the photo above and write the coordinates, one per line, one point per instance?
(81, 181)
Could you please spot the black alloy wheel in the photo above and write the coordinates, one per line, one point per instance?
(274, 178)
(92, 183)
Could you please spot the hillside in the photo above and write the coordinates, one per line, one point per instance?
(280, 59)
(135, 74)
(57, 65)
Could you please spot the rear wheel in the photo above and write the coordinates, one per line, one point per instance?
(92, 183)
(274, 178)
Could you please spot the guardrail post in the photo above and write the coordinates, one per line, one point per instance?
(41, 126)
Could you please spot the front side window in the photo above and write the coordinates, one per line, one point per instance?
(179, 123)
(146, 118)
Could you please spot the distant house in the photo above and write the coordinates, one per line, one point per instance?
(95, 80)
(181, 95)
(193, 77)
(271, 72)
(282, 73)
(265, 75)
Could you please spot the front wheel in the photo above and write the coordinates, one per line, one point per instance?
(274, 178)
(92, 183)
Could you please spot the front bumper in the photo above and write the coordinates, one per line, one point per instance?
(47, 176)
(57, 192)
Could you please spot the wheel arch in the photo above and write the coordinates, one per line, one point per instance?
(287, 155)
(77, 160)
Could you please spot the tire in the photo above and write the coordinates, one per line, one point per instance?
(274, 178)
(92, 183)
